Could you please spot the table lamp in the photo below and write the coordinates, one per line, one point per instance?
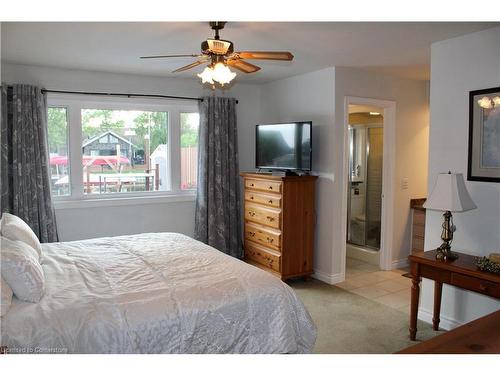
(449, 195)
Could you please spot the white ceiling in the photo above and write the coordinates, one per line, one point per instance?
(395, 48)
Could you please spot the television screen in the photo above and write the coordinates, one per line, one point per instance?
(284, 146)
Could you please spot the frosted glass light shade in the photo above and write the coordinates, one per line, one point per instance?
(450, 194)
(222, 74)
(207, 75)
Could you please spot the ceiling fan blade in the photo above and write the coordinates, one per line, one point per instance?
(166, 56)
(263, 55)
(243, 66)
(187, 67)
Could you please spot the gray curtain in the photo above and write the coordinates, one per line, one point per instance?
(217, 220)
(24, 163)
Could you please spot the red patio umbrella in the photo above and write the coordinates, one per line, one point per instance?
(104, 160)
(91, 160)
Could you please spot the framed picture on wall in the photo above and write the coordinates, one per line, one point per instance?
(484, 135)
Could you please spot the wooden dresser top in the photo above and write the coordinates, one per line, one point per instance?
(269, 176)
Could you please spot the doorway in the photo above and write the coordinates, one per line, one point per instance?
(364, 193)
(369, 140)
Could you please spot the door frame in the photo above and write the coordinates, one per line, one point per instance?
(388, 175)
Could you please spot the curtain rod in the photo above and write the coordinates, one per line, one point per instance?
(124, 95)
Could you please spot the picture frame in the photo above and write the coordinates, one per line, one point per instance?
(483, 162)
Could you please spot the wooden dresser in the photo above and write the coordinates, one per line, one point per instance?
(418, 225)
(279, 219)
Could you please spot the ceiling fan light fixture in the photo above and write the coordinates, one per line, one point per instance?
(220, 55)
(222, 74)
(207, 75)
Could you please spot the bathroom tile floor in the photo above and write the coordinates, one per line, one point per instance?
(390, 288)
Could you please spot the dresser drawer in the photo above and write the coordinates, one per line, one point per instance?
(419, 231)
(263, 215)
(475, 284)
(267, 199)
(269, 186)
(267, 237)
(417, 244)
(263, 256)
(419, 217)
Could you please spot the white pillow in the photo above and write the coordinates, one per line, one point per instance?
(6, 297)
(21, 270)
(16, 229)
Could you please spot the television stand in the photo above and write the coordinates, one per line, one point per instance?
(283, 173)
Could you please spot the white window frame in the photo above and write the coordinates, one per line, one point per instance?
(74, 105)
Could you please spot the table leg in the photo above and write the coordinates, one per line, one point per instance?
(438, 287)
(415, 292)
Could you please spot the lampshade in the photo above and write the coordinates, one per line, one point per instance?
(450, 194)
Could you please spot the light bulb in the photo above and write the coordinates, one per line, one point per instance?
(222, 74)
(207, 76)
(496, 101)
(485, 102)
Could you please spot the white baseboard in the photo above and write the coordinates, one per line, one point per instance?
(445, 322)
(327, 278)
(399, 263)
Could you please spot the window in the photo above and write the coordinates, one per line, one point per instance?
(189, 150)
(57, 122)
(124, 151)
(115, 148)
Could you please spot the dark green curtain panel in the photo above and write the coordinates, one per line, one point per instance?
(24, 163)
(217, 217)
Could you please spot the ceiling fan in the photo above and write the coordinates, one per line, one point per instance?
(219, 54)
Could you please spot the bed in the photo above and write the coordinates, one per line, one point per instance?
(155, 293)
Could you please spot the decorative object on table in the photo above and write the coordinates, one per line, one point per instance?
(484, 135)
(449, 195)
(486, 264)
(495, 257)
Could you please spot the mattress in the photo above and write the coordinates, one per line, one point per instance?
(155, 293)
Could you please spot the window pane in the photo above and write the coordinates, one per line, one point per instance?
(124, 151)
(189, 150)
(57, 121)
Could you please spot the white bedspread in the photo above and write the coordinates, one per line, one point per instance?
(156, 293)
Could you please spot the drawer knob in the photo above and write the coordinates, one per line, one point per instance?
(251, 197)
(271, 201)
(251, 213)
(270, 218)
(270, 240)
(270, 188)
(252, 234)
(251, 185)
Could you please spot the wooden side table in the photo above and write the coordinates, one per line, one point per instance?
(461, 273)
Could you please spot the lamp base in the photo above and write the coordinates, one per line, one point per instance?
(444, 252)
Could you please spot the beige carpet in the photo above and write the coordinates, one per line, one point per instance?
(349, 323)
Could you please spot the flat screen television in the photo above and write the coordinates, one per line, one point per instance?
(284, 146)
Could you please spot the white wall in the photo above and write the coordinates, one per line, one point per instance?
(301, 98)
(79, 223)
(319, 96)
(459, 65)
